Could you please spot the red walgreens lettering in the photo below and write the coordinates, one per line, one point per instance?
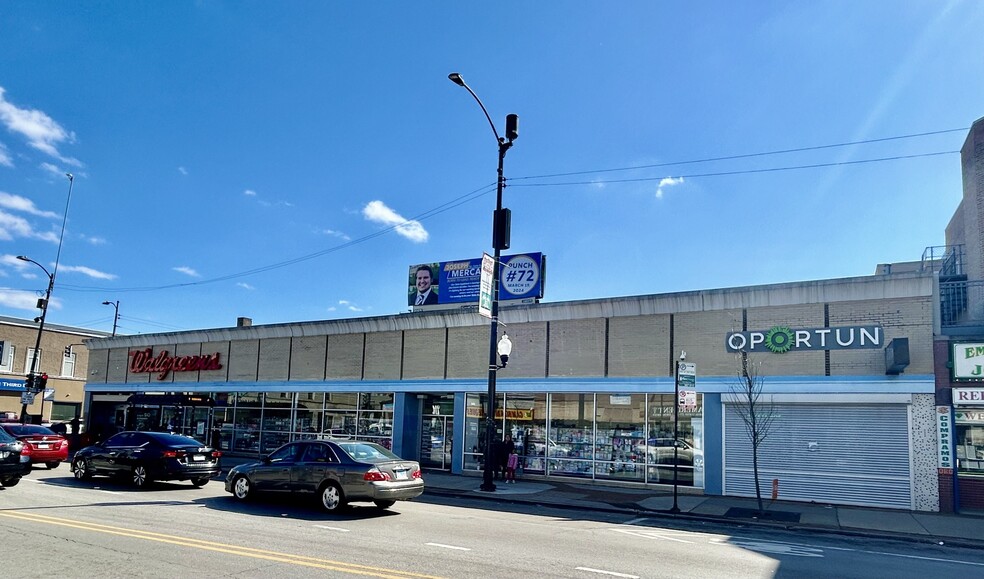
(144, 361)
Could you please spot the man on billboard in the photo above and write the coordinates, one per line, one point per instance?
(426, 292)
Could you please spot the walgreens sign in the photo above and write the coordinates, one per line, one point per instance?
(143, 361)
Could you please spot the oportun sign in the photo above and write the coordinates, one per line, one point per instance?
(782, 339)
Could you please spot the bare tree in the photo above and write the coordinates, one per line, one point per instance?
(758, 416)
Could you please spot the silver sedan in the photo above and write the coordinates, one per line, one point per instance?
(336, 472)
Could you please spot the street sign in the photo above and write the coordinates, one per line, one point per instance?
(27, 398)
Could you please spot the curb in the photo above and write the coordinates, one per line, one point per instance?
(682, 516)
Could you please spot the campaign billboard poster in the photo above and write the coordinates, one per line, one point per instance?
(521, 276)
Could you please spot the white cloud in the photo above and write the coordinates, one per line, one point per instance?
(378, 212)
(333, 233)
(186, 270)
(667, 182)
(249, 193)
(23, 204)
(41, 131)
(93, 273)
(347, 305)
(14, 226)
(182, 170)
(5, 159)
(245, 285)
(92, 239)
(22, 300)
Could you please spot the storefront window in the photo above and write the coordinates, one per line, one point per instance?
(688, 446)
(308, 415)
(569, 446)
(970, 441)
(526, 418)
(341, 400)
(475, 431)
(620, 444)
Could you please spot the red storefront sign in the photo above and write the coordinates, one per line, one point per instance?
(163, 364)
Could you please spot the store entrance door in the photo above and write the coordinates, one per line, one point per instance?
(436, 434)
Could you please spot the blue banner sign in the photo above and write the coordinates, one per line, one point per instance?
(12, 385)
(457, 282)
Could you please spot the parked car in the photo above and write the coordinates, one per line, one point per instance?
(43, 445)
(144, 457)
(660, 451)
(13, 462)
(337, 472)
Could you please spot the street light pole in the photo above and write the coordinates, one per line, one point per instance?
(37, 343)
(500, 241)
(47, 297)
(676, 429)
(116, 317)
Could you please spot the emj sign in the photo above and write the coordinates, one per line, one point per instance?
(782, 339)
(968, 361)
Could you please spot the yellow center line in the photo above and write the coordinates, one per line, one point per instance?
(219, 547)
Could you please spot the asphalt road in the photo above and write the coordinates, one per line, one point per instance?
(54, 526)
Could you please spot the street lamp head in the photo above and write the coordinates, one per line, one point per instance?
(107, 303)
(70, 176)
(23, 258)
(456, 79)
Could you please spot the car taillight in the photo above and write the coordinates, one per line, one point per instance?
(417, 474)
(174, 454)
(62, 444)
(374, 474)
(216, 454)
(26, 450)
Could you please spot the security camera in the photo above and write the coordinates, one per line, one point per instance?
(683, 355)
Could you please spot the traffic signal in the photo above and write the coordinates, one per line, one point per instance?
(29, 383)
(42, 382)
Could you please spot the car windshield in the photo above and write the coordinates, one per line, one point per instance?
(367, 451)
(4, 437)
(173, 439)
(28, 429)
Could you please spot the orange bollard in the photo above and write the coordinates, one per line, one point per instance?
(775, 489)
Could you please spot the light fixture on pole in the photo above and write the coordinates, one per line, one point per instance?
(116, 317)
(500, 240)
(676, 428)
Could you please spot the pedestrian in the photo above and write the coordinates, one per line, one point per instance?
(506, 448)
(511, 464)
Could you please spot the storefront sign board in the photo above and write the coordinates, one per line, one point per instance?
(945, 438)
(968, 396)
(968, 361)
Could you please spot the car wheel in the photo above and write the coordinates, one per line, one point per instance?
(384, 504)
(52, 464)
(82, 469)
(200, 482)
(11, 482)
(241, 489)
(139, 476)
(331, 497)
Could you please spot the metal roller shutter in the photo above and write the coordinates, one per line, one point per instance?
(844, 453)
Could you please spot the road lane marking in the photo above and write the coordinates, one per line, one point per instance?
(772, 547)
(603, 572)
(651, 535)
(636, 520)
(448, 546)
(228, 549)
(920, 557)
(339, 529)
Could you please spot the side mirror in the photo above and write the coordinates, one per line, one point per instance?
(266, 459)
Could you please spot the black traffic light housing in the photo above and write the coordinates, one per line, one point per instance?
(29, 383)
(42, 382)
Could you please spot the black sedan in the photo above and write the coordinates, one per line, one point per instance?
(143, 457)
(13, 464)
(336, 472)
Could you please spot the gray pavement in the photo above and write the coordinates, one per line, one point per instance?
(953, 529)
(964, 529)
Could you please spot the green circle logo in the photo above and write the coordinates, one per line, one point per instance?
(779, 339)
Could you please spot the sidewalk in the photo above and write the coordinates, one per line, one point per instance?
(964, 530)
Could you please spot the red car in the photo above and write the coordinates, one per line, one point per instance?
(40, 443)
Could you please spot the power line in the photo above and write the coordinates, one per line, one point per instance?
(743, 171)
(742, 156)
(486, 189)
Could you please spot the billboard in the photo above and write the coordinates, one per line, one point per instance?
(521, 276)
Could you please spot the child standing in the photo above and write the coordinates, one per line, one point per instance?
(511, 464)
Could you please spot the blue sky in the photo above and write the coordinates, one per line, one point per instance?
(289, 161)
